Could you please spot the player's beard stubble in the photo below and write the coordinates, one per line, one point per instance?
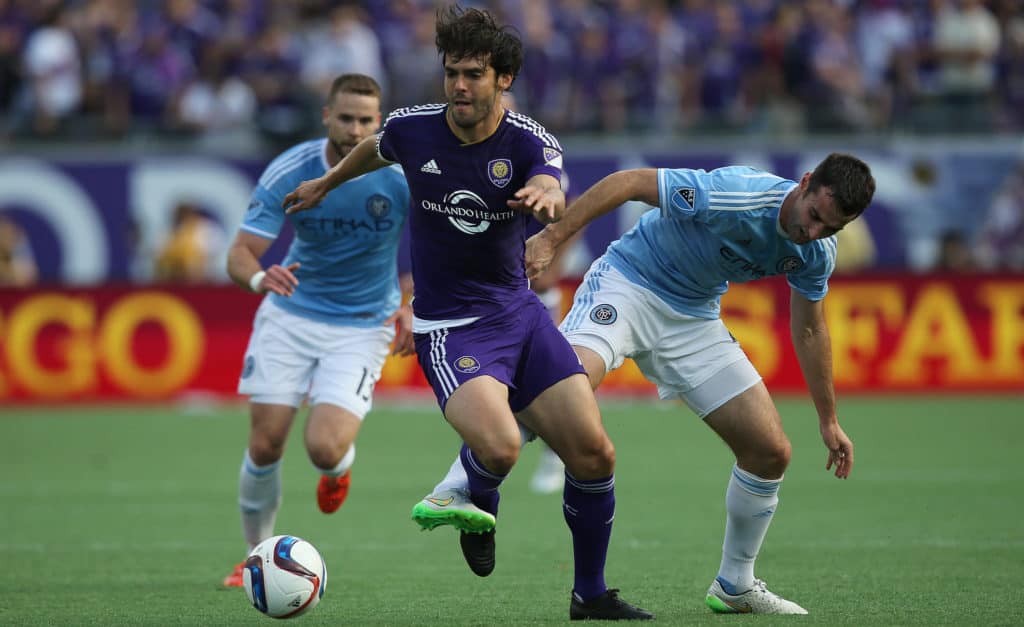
(480, 110)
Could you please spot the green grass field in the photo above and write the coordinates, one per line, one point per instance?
(118, 516)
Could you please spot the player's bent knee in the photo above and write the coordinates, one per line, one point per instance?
(264, 451)
(324, 455)
(770, 462)
(595, 463)
(498, 459)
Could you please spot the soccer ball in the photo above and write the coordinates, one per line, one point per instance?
(284, 576)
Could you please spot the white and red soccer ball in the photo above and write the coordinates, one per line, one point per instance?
(284, 576)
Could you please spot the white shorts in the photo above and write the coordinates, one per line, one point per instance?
(290, 357)
(692, 359)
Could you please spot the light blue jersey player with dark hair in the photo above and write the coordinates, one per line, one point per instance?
(324, 329)
(654, 297)
(478, 175)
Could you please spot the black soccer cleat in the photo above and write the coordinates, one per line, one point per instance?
(608, 606)
(478, 549)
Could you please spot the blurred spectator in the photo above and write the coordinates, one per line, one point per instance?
(954, 253)
(270, 68)
(53, 71)
(413, 59)
(13, 26)
(885, 44)
(342, 44)
(1011, 64)
(155, 73)
(838, 100)
(17, 264)
(855, 247)
(193, 250)
(1000, 241)
(543, 93)
(216, 101)
(966, 41)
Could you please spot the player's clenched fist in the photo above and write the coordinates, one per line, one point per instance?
(307, 195)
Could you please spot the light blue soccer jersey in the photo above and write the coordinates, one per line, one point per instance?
(348, 246)
(715, 227)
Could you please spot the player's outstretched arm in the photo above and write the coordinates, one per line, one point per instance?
(245, 270)
(604, 196)
(362, 159)
(814, 352)
(542, 197)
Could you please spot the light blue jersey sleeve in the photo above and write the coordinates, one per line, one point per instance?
(713, 228)
(265, 217)
(811, 280)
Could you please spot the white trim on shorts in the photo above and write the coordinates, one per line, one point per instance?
(693, 359)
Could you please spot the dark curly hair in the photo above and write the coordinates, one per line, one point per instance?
(850, 180)
(474, 34)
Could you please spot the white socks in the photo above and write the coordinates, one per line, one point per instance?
(259, 497)
(750, 503)
(343, 465)
(456, 478)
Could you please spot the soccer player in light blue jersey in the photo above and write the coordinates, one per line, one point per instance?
(654, 297)
(478, 175)
(331, 313)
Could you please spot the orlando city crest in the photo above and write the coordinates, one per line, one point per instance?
(467, 364)
(500, 171)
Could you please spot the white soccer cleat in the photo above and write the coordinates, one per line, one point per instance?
(758, 600)
(550, 474)
(452, 507)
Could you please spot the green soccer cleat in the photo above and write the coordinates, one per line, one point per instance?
(757, 600)
(452, 507)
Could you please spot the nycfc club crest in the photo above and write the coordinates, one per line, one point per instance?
(467, 364)
(378, 206)
(604, 314)
(500, 171)
(789, 264)
(249, 367)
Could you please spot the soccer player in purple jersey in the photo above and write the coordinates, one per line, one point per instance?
(478, 174)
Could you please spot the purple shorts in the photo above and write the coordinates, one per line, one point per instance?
(521, 347)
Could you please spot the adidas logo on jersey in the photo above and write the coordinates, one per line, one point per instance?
(430, 167)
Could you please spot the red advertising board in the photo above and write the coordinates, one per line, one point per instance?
(889, 333)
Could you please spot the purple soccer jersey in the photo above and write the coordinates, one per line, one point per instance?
(467, 245)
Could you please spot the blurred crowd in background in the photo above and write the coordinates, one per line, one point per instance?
(88, 68)
(84, 71)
